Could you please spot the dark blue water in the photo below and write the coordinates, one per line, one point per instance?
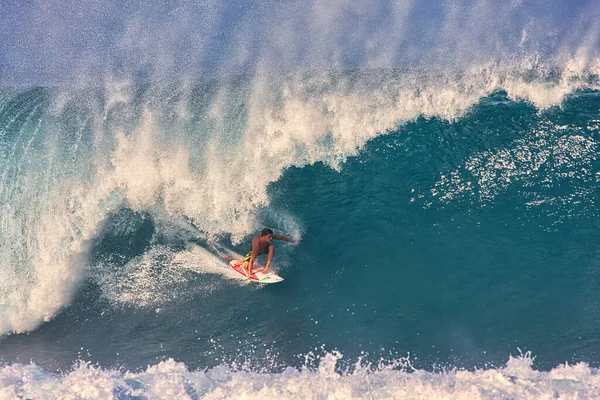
(466, 280)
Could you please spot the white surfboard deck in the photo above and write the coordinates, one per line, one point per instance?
(256, 276)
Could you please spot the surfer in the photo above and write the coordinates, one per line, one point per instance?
(261, 244)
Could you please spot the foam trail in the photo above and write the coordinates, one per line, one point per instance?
(171, 379)
(200, 260)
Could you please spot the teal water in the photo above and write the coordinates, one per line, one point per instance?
(409, 262)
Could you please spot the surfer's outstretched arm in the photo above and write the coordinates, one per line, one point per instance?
(285, 239)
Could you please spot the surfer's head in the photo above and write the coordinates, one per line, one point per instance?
(267, 234)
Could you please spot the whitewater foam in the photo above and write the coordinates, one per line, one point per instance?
(170, 379)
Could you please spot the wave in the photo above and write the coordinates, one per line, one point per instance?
(171, 379)
(207, 151)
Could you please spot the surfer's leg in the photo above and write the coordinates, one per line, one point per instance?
(245, 266)
(243, 262)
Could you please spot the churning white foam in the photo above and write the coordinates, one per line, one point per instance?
(159, 276)
(173, 380)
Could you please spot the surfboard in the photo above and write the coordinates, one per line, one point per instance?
(256, 276)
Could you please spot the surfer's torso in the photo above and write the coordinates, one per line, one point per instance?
(263, 249)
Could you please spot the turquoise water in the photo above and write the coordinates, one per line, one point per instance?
(433, 239)
(408, 262)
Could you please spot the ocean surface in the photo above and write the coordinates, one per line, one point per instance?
(448, 219)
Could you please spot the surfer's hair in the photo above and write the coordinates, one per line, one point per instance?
(266, 231)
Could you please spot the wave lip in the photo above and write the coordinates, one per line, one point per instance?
(170, 379)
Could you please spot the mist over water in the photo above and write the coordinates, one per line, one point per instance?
(374, 133)
(89, 42)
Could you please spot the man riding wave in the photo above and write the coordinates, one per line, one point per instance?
(261, 244)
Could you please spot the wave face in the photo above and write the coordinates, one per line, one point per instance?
(439, 222)
(444, 182)
(209, 152)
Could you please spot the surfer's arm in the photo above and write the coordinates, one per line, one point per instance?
(285, 239)
(253, 255)
(269, 258)
(251, 264)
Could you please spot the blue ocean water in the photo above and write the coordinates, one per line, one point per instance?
(448, 237)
